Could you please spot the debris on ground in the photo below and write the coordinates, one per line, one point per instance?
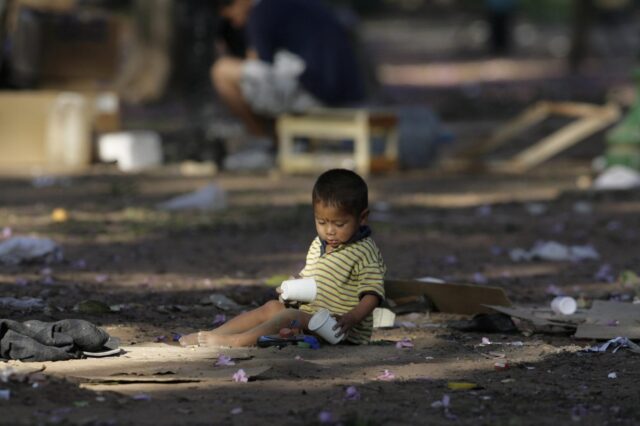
(221, 301)
(554, 251)
(22, 249)
(617, 177)
(209, 198)
(615, 344)
(22, 304)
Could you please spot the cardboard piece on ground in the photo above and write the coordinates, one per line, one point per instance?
(533, 315)
(449, 298)
(595, 331)
(603, 312)
(606, 320)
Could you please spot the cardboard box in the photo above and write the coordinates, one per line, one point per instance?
(45, 130)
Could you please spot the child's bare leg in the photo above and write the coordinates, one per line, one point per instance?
(243, 322)
(250, 337)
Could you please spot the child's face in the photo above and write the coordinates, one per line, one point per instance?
(334, 225)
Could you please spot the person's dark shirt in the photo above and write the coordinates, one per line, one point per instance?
(312, 31)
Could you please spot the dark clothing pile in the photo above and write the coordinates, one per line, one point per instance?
(49, 341)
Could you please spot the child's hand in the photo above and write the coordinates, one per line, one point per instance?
(345, 322)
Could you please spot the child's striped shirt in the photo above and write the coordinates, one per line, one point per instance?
(343, 277)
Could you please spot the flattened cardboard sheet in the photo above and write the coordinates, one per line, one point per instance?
(449, 298)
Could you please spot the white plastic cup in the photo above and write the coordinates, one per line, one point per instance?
(322, 323)
(301, 290)
(564, 305)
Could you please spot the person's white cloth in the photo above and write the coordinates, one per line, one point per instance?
(273, 89)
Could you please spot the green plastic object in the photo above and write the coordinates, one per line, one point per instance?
(623, 141)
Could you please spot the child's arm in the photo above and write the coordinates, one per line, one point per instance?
(366, 305)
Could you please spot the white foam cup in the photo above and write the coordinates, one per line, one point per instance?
(301, 290)
(322, 324)
(563, 305)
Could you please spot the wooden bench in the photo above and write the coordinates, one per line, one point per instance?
(336, 126)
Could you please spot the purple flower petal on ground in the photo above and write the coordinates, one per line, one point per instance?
(240, 376)
(450, 260)
(7, 232)
(407, 324)
(225, 360)
(161, 338)
(141, 397)
(553, 290)
(79, 264)
(386, 375)
(613, 225)
(486, 341)
(446, 399)
(404, 343)
(496, 250)
(325, 417)
(484, 210)
(175, 336)
(578, 412)
(236, 410)
(219, 320)
(605, 274)
(100, 278)
(351, 394)
(22, 281)
(479, 278)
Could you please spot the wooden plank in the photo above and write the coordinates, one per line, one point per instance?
(561, 140)
(574, 109)
(449, 298)
(528, 118)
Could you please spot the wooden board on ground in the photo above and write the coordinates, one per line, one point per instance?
(449, 298)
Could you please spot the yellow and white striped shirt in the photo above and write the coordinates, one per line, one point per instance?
(343, 277)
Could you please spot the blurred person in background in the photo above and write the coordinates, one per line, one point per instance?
(299, 56)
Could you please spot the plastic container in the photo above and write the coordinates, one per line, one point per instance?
(301, 290)
(322, 324)
(133, 151)
(564, 305)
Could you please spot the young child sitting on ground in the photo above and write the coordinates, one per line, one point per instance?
(344, 261)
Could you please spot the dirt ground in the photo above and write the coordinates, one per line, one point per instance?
(120, 250)
(158, 267)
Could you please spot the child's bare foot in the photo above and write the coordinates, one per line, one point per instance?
(189, 340)
(210, 339)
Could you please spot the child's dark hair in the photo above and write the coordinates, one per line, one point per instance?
(343, 189)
